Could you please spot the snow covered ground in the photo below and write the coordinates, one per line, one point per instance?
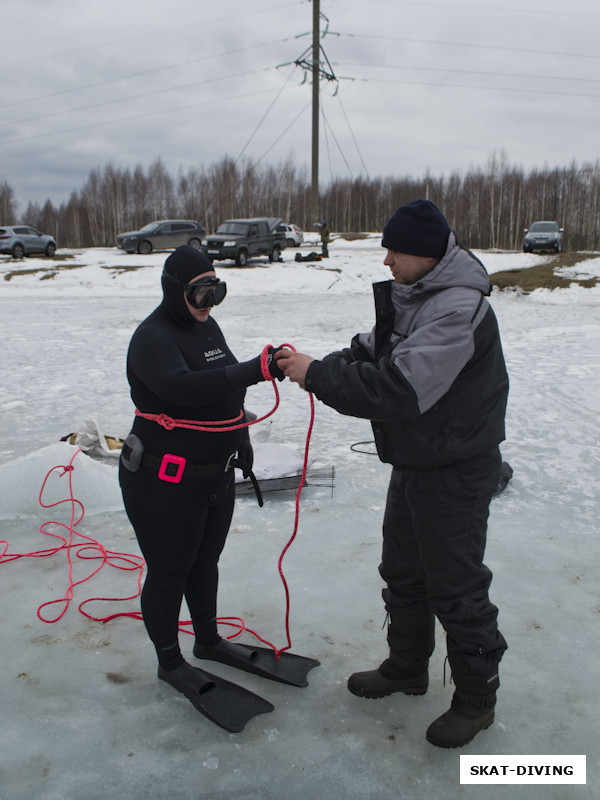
(84, 717)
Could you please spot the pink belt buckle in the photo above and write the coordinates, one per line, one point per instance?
(171, 468)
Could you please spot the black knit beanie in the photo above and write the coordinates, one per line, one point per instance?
(418, 228)
(183, 264)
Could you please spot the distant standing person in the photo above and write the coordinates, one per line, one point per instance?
(431, 378)
(325, 237)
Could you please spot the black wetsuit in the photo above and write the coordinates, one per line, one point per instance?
(183, 368)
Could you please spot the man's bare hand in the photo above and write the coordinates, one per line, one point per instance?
(294, 365)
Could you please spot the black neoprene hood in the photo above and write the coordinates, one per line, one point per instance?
(184, 264)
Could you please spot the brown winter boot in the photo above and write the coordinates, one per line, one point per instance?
(472, 707)
(396, 674)
(457, 728)
(411, 633)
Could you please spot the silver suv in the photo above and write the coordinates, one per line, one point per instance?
(21, 240)
(543, 236)
(164, 234)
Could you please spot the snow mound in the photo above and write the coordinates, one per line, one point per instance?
(94, 484)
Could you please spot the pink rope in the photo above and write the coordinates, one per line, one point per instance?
(88, 550)
(91, 550)
(216, 426)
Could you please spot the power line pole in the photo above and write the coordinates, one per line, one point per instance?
(314, 195)
(318, 68)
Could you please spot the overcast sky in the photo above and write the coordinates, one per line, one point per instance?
(438, 86)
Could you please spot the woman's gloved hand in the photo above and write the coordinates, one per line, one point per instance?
(249, 372)
(245, 450)
(274, 370)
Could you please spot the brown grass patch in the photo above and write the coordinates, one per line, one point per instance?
(45, 273)
(543, 276)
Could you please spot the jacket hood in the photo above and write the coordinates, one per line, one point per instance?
(458, 268)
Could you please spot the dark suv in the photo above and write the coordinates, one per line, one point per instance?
(164, 234)
(240, 239)
(543, 236)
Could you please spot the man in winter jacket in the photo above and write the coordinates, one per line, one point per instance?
(325, 238)
(431, 378)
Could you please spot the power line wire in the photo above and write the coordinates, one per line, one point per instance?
(326, 144)
(479, 88)
(421, 68)
(153, 71)
(266, 91)
(365, 80)
(455, 6)
(162, 32)
(275, 99)
(351, 64)
(278, 139)
(135, 117)
(131, 97)
(527, 50)
(327, 125)
(353, 137)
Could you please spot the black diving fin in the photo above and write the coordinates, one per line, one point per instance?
(288, 668)
(226, 704)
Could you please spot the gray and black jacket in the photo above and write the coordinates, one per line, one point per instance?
(430, 375)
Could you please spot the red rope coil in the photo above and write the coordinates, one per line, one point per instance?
(91, 550)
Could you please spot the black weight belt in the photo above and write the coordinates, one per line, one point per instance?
(192, 470)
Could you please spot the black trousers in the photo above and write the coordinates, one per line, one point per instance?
(181, 545)
(434, 537)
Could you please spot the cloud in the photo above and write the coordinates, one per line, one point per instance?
(435, 86)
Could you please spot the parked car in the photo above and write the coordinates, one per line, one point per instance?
(293, 235)
(543, 236)
(240, 239)
(22, 240)
(164, 234)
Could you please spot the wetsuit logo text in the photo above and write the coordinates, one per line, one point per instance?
(214, 355)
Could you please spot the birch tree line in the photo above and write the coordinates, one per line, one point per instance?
(488, 207)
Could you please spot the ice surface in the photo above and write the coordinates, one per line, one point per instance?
(83, 715)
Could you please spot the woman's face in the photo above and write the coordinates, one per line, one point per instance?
(199, 314)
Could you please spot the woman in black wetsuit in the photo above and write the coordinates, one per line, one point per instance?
(178, 483)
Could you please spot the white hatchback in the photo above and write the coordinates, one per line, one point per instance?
(293, 235)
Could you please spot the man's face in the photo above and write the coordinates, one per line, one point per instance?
(408, 269)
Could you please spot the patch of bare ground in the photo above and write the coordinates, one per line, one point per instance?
(544, 276)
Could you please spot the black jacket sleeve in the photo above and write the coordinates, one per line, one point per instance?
(359, 388)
